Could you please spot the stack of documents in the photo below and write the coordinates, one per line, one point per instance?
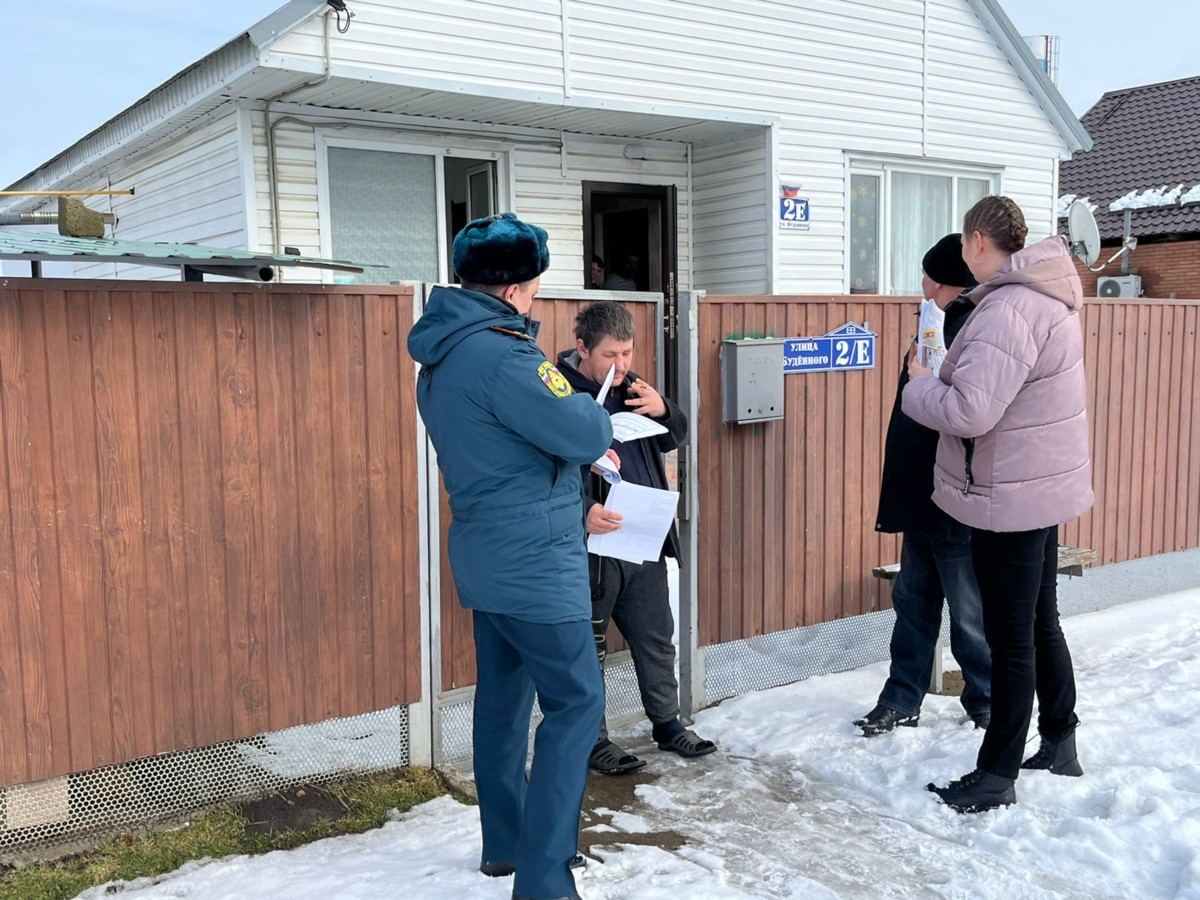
(649, 513)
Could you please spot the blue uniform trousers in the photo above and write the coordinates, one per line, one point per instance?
(534, 821)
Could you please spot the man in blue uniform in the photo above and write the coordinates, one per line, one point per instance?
(511, 436)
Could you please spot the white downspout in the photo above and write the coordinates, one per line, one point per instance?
(269, 130)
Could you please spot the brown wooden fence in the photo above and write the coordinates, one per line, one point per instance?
(1143, 366)
(786, 528)
(210, 511)
(557, 333)
(208, 525)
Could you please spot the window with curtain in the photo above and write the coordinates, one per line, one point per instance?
(864, 234)
(383, 211)
(896, 213)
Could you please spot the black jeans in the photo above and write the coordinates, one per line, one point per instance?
(1017, 574)
(637, 598)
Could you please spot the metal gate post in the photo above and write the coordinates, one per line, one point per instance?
(429, 720)
(691, 655)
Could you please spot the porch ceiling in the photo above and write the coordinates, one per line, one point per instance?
(585, 117)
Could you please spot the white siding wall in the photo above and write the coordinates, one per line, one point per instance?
(550, 193)
(731, 240)
(188, 189)
(548, 186)
(979, 110)
(844, 78)
(488, 45)
(900, 79)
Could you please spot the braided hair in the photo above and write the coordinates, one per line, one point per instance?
(1001, 220)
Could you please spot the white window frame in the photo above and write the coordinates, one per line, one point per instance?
(883, 168)
(439, 147)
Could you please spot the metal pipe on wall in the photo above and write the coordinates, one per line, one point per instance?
(269, 129)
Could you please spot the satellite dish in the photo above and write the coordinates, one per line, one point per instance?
(1083, 233)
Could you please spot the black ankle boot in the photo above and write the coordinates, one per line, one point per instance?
(977, 791)
(1059, 757)
(883, 719)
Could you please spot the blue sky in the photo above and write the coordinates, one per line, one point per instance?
(68, 66)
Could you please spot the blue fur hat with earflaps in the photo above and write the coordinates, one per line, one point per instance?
(500, 249)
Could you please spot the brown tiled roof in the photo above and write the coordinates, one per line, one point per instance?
(1145, 137)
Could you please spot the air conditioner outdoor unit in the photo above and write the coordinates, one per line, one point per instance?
(1119, 286)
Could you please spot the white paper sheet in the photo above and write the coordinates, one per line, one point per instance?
(600, 397)
(648, 513)
(931, 345)
(628, 426)
(608, 470)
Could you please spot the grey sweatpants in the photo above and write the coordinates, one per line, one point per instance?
(637, 598)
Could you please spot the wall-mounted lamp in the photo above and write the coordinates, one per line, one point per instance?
(632, 152)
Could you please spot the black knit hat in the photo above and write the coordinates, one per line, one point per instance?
(944, 263)
(500, 250)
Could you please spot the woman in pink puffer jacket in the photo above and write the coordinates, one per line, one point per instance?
(1012, 462)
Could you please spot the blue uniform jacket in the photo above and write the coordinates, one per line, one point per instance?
(510, 436)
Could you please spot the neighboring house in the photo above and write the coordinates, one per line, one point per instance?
(694, 137)
(1146, 158)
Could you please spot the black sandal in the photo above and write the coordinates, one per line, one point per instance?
(688, 744)
(609, 759)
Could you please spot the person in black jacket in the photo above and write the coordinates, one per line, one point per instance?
(633, 595)
(935, 550)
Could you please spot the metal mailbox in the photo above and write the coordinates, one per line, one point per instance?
(752, 380)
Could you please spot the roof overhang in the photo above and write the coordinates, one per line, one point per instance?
(47, 247)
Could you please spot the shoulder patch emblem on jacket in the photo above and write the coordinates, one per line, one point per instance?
(554, 380)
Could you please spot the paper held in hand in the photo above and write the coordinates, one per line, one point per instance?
(931, 344)
(648, 513)
(626, 426)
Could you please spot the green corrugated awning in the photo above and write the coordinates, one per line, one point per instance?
(49, 247)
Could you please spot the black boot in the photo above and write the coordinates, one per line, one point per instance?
(1057, 756)
(977, 791)
(883, 719)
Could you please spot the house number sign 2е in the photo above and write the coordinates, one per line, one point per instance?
(847, 348)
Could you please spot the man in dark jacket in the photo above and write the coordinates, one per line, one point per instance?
(511, 436)
(935, 551)
(634, 595)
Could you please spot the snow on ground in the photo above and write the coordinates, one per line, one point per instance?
(798, 805)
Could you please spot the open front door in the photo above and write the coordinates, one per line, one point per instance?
(629, 244)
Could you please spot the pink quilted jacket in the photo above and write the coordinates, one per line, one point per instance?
(1013, 381)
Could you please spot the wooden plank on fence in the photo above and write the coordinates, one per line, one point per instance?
(775, 489)
(1156, 441)
(1190, 375)
(14, 556)
(1143, 415)
(115, 404)
(1170, 376)
(237, 418)
(49, 743)
(158, 469)
(709, 468)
